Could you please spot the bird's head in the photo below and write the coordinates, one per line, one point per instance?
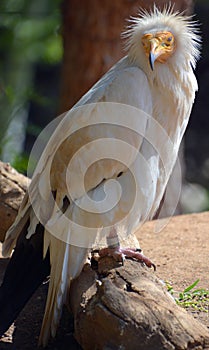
(158, 46)
(162, 38)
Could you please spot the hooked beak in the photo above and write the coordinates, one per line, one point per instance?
(154, 52)
(152, 59)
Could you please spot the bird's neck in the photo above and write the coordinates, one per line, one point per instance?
(173, 91)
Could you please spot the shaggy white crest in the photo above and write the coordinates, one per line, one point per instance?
(184, 29)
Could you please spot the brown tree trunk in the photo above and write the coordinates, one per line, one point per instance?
(92, 43)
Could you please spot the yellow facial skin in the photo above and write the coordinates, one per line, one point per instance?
(158, 47)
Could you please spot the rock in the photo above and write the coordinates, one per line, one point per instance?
(12, 189)
(128, 307)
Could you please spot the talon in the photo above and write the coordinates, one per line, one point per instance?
(154, 266)
(150, 265)
(123, 259)
(95, 251)
(147, 262)
(117, 256)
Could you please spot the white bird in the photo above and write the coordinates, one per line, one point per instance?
(129, 144)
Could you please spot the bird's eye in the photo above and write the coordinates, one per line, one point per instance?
(169, 39)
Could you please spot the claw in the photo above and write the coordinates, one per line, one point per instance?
(150, 265)
(123, 259)
(95, 251)
(154, 266)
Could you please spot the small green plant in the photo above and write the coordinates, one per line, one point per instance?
(20, 163)
(196, 299)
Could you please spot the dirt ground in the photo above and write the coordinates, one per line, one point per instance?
(180, 251)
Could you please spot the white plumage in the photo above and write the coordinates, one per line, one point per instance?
(165, 93)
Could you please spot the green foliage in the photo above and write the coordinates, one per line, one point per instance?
(195, 299)
(29, 34)
(31, 29)
(20, 163)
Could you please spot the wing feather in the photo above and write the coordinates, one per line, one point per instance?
(79, 129)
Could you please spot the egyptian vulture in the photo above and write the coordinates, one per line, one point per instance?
(105, 168)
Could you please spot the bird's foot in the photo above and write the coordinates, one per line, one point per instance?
(120, 254)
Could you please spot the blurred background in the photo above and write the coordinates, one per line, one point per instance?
(51, 53)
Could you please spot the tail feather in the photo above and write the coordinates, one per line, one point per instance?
(25, 272)
(64, 267)
(56, 295)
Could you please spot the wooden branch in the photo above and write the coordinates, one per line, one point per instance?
(127, 307)
(12, 189)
